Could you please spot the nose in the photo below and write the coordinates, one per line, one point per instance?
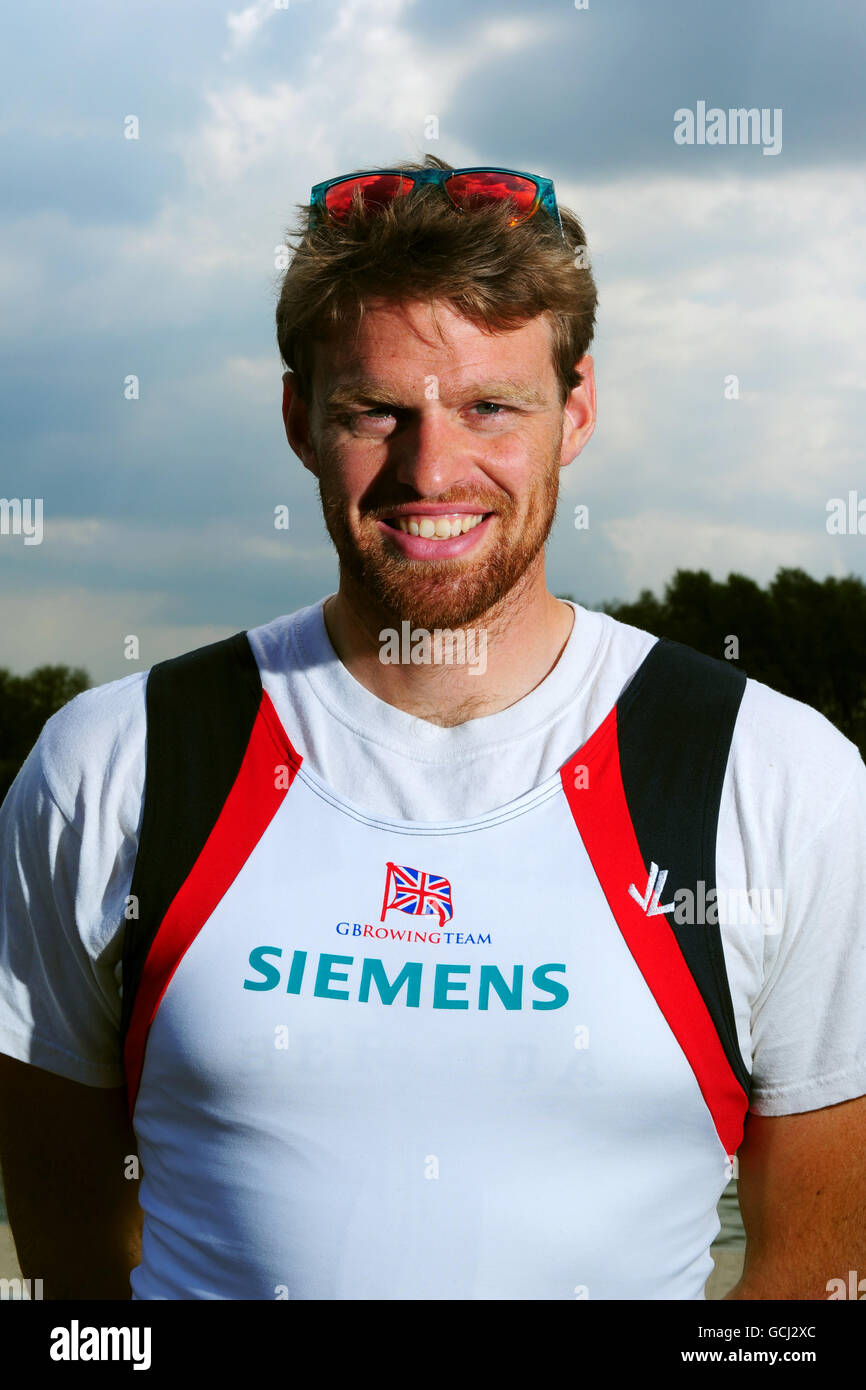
(433, 454)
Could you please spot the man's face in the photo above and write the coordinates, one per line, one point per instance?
(464, 433)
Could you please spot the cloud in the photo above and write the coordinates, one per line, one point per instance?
(653, 544)
(245, 25)
(80, 627)
(243, 128)
(159, 259)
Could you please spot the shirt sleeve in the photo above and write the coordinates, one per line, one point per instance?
(809, 1020)
(66, 860)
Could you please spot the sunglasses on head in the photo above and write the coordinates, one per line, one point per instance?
(466, 189)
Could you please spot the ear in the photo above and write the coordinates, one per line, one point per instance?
(296, 419)
(578, 413)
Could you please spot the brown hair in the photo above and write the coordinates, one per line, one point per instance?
(418, 248)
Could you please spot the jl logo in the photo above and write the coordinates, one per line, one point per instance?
(651, 899)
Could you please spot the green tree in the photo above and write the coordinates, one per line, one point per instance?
(804, 637)
(25, 704)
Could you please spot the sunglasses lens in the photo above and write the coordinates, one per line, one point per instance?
(374, 190)
(474, 190)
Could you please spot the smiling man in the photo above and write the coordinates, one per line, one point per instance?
(487, 442)
(410, 980)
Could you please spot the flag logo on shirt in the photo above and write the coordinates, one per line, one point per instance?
(416, 892)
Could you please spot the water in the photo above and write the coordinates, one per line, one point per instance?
(731, 1236)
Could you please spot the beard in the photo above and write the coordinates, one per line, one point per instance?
(450, 593)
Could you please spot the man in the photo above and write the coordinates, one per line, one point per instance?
(422, 994)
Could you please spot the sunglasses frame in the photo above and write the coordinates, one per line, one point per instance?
(545, 196)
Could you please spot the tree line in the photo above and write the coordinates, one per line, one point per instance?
(801, 636)
(804, 637)
(25, 704)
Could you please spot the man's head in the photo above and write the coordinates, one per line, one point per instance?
(433, 370)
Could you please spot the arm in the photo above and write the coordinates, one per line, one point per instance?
(802, 1187)
(67, 844)
(74, 1215)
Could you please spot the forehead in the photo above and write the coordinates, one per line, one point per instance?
(405, 343)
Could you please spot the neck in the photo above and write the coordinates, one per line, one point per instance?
(494, 662)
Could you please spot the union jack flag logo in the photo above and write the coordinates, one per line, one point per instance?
(416, 892)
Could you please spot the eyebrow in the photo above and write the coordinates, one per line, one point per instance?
(369, 392)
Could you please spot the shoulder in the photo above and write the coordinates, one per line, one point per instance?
(793, 819)
(95, 739)
(788, 765)
(294, 640)
(791, 754)
(609, 652)
(776, 737)
(616, 635)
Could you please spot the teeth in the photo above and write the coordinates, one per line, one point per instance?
(437, 528)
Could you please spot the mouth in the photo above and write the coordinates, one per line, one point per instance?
(443, 526)
(431, 535)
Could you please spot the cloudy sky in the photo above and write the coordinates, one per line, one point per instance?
(155, 257)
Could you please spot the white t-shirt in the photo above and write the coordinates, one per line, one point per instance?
(793, 815)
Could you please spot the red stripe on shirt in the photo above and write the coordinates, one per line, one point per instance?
(249, 808)
(601, 814)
